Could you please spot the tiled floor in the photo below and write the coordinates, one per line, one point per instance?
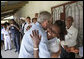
(9, 54)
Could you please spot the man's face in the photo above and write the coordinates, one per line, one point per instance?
(27, 19)
(34, 20)
(45, 24)
(68, 22)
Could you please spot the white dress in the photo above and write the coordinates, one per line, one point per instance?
(53, 45)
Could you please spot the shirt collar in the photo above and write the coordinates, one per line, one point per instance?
(70, 27)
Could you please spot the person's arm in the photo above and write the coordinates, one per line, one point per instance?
(9, 27)
(71, 49)
(9, 33)
(74, 49)
(43, 47)
(71, 37)
(3, 36)
(36, 52)
(25, 47)
(2, 32)
(36, 40)
(17, 27)
(43, 51)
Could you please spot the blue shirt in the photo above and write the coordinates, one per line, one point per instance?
(26, 50)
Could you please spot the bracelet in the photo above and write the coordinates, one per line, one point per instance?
(35, 48)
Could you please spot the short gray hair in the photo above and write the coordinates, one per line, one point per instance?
(44, 15)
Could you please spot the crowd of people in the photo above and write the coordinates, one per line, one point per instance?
(40, 38)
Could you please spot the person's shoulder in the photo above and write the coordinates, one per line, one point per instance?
(34, 27)
(74, 28)
(3, 30)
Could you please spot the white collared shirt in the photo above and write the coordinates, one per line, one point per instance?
(25, 27)
(5, 32)
(71, 37)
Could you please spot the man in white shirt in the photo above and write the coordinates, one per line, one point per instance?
(28, 23)
(70, 38)
(34, 21)
(26, 50)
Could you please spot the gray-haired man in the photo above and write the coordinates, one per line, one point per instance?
(26, 50)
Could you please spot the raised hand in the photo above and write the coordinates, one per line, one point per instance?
(36, 38)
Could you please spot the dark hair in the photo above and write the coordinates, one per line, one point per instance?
(28, 18)
(70, 17)
(34, 18)
(5, 24)
(13, 21)
(62, 27)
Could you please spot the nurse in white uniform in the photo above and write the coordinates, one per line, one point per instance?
(7, 40)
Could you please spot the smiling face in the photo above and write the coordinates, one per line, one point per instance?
(69, 22)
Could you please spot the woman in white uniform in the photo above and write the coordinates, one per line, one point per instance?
(6, 36)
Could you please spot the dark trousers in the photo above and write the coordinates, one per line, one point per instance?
(16, 40)
(65, 54)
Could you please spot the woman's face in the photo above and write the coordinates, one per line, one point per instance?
(52, 31)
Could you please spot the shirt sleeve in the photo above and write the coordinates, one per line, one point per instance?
(25, 48)
(2, 31)
(43, 51)
(43, 47)
(25, 28)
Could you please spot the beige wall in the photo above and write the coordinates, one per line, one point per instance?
(36, 6)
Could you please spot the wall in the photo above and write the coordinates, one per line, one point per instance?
(36, 6)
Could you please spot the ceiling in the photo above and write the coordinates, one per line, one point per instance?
(10, 7)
